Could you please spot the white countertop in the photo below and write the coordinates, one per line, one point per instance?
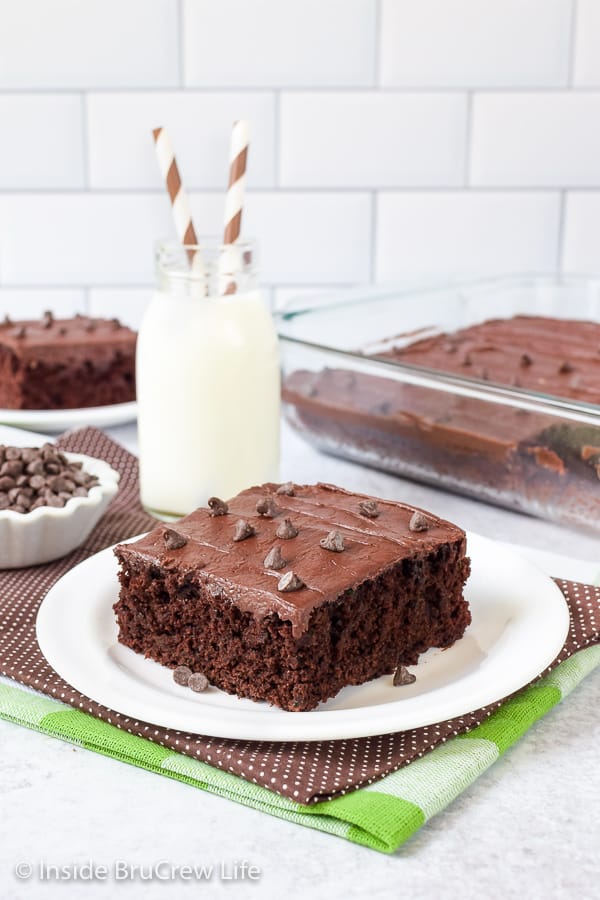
(530, 827)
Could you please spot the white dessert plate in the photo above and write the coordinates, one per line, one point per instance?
(520, 622)
(51, 421)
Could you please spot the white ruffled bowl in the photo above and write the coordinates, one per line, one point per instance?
(47, 533)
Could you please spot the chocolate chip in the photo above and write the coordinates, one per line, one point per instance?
(62, 331)
(526, 360)
(198, 682)
(54, 500)
(267, 507)
(4, 501)
(115, 324)
(59, 483)
(7, 483)
(286, 489)
(418, 522)
(12, 453)
(274, 559)
(466, 360)
(21, 332)
(90, 326)
(243, 530)
(334, 542)
(18, 509)
(7, 320)
(12, 467)
(182, 675)
(37, 481)
(217, 506)
(566, 367)
(173, 540)
(286, 530)
(36, 467)
(368, 508)
(47, 319)
(402, 677)
(289, 582)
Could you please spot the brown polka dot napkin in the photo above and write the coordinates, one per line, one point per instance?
(303, 771)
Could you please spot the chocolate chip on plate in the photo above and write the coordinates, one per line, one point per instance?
(198, 682)
(182, 675)
(402, 677)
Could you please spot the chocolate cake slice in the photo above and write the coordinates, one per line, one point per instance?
(290, 592)
(66, 363)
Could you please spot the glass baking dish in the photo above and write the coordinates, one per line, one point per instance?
(507, 445)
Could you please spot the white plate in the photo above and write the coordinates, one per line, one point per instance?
(520, 622)
(52, 421)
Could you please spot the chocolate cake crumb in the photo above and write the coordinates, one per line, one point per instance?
(217, 506)
(334, 542)
(418, 522)
(402, 677)
(173, 540)
(286, 489)
(274, 559)
(243, 530)
(182, 675)
(286, 530)
(198, 682)
(290, 582)
(368, 508)
(267, 507)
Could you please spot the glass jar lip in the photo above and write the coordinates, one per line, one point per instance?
(170, 253)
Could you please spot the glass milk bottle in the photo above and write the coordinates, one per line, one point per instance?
(207, 379)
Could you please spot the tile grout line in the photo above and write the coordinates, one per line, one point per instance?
(377, 48)
(572, 44)
(374, 235)
(85, 143)
(560, 238)
(180, 45)
(468, 140)
(277, 139)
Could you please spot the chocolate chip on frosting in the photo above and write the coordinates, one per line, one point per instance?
(198, 682)
(526, 360)
(217, 506)
(368, 508)
(243, 530)
(286, 489)
(267, 507)
(566, 368)
(90, 326)
(182, 675)
(402, 677)
(290, 582)
(418, 522)
(173, 539)
(21, 332)
(47, 319)
(334, 542)
(274, 559)
(286, 530)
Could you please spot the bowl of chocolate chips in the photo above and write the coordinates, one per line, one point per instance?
(49, 502)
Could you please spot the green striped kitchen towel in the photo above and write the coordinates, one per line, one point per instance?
(382, 815)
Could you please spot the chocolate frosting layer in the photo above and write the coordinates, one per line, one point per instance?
(236, 568)
(553, 356)
(51, 340)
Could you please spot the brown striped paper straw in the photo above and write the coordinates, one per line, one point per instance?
(234, 201)
(180, 204)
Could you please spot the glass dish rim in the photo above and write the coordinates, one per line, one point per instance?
(523, 398)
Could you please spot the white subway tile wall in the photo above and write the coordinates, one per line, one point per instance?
(391, 139)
